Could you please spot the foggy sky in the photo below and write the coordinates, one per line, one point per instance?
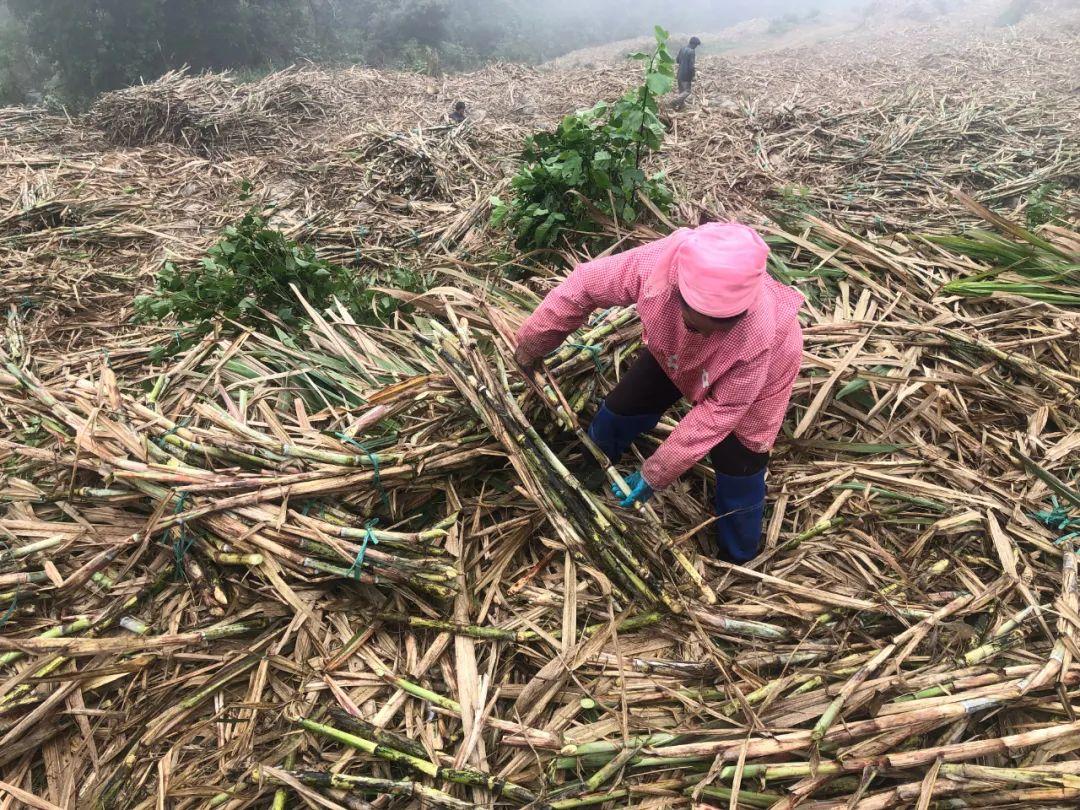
(683, 15)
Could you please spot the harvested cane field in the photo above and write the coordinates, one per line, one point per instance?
(350, 567)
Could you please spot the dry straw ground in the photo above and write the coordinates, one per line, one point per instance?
(352, 568)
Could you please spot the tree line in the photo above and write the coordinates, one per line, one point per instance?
(71, 50)
(68, 51)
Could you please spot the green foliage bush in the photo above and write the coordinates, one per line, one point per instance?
(1042, 208)
(247, 276)
(592, 160)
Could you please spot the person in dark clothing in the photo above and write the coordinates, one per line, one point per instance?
(458, 113)
(687, 71)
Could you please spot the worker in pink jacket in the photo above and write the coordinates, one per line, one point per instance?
(719, 332)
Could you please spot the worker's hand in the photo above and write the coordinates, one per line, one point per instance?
(528, 363)
(640, 491)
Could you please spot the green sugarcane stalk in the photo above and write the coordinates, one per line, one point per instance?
(158, 388)
(469, 630)
(606, 533)
(590, 337)
(24, 578)
(725, 794)
(199, 449)
(1003, 640)
(519, 636)
(229, 558)
(537, 737)
(557, 401)
(77, 626)
(596, 753)
(389, 787)
(609, 770)
(354, 533)
(624, 579)
(281, 795)
(425, 584)
(469, 383)
(859, 486)
(362, 728)
(134, 625)
(335, 524)
(18, 552)
(426, 580)
(102, 580)
(104, 622)
(459, 776)
(433, 568)
(593, 783)
(518, 429)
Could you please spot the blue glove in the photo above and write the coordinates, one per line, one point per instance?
(640, 491)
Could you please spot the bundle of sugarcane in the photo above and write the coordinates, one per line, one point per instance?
(204, 113)
(220, 488)
(586, 525)
(415, 165)
(297, 95)
(167, 110)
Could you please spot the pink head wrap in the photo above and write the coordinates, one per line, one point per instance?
(720, 268)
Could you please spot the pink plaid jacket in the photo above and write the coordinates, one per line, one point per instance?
(739, 381)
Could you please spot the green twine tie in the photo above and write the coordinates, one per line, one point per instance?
(592, 349)
(183, 543)
(11, 609)
(369, 539)
(374, 459)
(183, 423)
(14, 600)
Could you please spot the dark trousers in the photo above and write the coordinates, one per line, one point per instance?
(679, 102)
(646, 389)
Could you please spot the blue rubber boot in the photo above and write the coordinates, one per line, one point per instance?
(614, 434)
(740, 507)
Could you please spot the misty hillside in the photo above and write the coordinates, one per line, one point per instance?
(846, 25)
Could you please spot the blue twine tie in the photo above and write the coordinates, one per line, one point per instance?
(369, 539)
(1059, 519)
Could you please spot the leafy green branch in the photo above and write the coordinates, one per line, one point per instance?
(248, 277)
(593, 160)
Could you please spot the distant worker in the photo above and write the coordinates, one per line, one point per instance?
(457, 116)
(719, 332)
(687, 71)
